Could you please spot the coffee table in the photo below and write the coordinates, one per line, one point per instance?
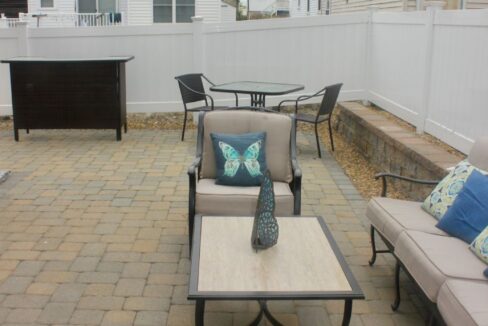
(306, 264)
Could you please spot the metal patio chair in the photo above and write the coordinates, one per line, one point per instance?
(192, 90)
(208, 198)
(324, 113)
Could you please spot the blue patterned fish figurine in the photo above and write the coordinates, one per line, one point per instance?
(265, 228)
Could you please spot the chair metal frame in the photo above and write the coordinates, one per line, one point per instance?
(194, 174)
(324, 112)
(194, 91)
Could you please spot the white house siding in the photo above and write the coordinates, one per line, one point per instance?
(140, 12)
(477, 4)
(342, 6)
(51, 20)
(228, 13)
(123, 6)
(68, 6)
(298, 8)
(210, 10)
(410, 5)
(260, 5)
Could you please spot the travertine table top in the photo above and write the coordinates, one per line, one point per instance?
(302, 261)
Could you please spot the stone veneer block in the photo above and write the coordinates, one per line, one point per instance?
(393, 148)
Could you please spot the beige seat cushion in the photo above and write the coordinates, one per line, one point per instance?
(278, 131)
(432, 259)
(212, 199)
(465, 303)
(392, 216)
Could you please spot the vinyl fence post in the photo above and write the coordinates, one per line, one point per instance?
(198, 44)
(198, 51)
(432, 7)
(22, 38)
(367, 66)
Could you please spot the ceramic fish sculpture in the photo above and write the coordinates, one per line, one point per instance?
(265, 228)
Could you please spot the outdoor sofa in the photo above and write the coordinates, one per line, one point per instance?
(447, 272)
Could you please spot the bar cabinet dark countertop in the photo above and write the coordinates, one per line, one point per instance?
(68, 93)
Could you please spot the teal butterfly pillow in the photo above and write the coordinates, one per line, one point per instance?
(480, 245)
(443, 195)
(240, 159)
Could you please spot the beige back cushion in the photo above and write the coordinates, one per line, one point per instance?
(478, 156)
(277, 128)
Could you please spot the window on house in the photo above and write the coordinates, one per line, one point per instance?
(92, 6)
(47, 3)
(107, 5)
(163, 11)
(181, 10)
(185, 9)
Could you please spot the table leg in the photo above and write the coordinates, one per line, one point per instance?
(199, 312)
(258, 100)
(119, 133)
(264, 312)
(16, 134)
(347, 312)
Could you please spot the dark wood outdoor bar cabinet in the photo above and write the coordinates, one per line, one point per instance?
(68, 93)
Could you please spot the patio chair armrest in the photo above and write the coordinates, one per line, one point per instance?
(192, 178)
(297, 172)
(384, 177)
(296, 187)
(194, 165)
(282, 102)
(302, 98)
(306, 97)
(208, 80)
(197, 92)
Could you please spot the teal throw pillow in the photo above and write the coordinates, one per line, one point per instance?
(240, 158)
(444, 194)
(468, 215)
(480, 246)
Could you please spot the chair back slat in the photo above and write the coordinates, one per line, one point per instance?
(329, 100)
(193, 81)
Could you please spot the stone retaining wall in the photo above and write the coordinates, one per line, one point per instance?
(393, 148)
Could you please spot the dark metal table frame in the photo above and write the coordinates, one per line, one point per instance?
(262, 297)
(258, 97)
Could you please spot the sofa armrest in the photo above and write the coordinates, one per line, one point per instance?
(384, 177)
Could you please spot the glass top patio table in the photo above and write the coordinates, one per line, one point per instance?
(257, 90)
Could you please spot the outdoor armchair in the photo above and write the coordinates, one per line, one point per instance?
(329, 96)
(208, 198)
(192, 91)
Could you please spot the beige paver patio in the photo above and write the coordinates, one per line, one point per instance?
(93, 231)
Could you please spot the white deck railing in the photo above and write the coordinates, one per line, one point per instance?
(65, 20)
(8, 22)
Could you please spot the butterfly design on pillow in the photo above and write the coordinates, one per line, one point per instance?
(234, 160)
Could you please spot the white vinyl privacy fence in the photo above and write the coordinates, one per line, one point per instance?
(429, 68)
